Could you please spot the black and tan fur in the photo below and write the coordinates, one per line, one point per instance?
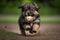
(30, 18)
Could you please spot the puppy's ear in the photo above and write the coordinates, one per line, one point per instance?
(21, 6)
(36, 6)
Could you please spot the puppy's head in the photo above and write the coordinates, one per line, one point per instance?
(29, 11)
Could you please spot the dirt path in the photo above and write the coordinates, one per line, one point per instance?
(47, 31)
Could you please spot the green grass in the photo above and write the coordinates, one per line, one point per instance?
(49, 19)
(43, 19)
(9, 19)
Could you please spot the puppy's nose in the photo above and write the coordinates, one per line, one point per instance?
(28, 18)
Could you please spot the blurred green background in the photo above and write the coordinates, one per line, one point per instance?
(48, 8)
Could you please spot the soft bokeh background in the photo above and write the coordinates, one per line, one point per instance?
(9, 12)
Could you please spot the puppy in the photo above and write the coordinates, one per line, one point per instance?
(29, 17)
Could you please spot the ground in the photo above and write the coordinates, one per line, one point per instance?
(47, 31)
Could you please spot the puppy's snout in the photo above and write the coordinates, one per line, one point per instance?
(29, 18)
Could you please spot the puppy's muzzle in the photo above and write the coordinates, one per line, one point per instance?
(29, 18)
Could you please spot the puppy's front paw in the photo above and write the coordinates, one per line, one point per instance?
(26, 27)
(34, 28)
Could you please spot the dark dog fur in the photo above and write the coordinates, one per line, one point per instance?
(29, 10)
